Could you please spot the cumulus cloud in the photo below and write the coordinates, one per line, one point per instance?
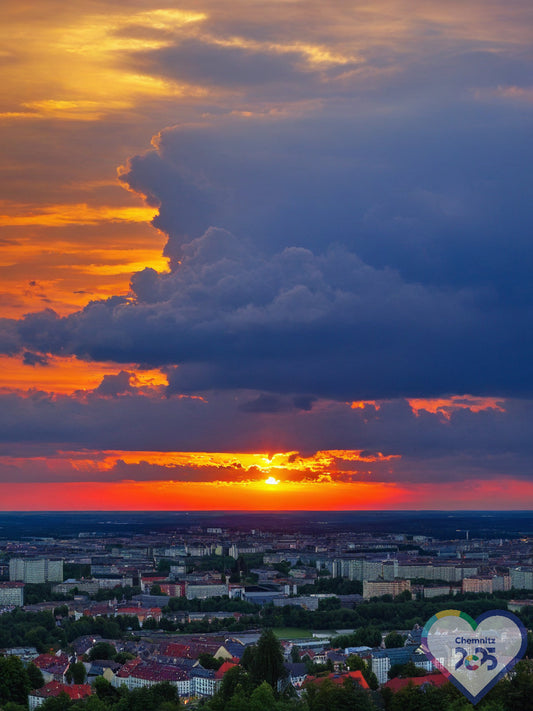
(408, 192)
(118, 384)
(294, 323)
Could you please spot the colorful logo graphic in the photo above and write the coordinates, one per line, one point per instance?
(474, 654)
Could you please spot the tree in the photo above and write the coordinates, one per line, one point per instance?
(394, 639)
(519, 690)
(35, 676)
(268, 662)
(404, 596)
(57, 703)
(355, 663)
(208, 661)
(15, 683)
(332, 697)
(329, 603)
(262, 698)
(150, 623)
(238, 701)
(102, 650)
(105, 691)
(406, 671)
(236, 677)
(93, 703)
(123, 657)
(12, 706)
(77, 672)
(163, 566)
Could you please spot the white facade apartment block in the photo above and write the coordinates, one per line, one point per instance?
(16, 569)
(380, 667)
(205, 591)
(501, 582)
(521, 579)
(449, 573)
(11, 594)
(203, 686)
(34, 702)
(54, 571)
(134, 682)
(36, 570)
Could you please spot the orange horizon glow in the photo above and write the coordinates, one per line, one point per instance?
(259, 496)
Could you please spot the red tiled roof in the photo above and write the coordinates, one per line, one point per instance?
(152, 671)
(54, 688)
(128, 667)
(434, 679)
(338, 678)
(50, 662)
(176, 650)
(189, 651)
(223, 669)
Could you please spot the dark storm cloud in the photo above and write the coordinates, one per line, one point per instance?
(114, 385)
(33, 359)
(491, 443)
(272, 403)
(442, 196)
(296, 323)
(352, 254)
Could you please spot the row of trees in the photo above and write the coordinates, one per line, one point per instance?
(16, 681)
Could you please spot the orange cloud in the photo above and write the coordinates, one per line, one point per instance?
(71, 214)
(447, 406)
(283, 465)
(361, 404)
(68, 375)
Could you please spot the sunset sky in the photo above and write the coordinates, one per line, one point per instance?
(266, 255)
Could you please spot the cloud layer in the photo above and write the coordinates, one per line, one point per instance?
(345, 197)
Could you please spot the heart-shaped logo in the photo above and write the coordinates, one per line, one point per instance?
(474, 654)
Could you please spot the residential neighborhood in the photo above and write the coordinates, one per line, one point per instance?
(185, 609)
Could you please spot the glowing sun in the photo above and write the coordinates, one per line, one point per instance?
(271, 481)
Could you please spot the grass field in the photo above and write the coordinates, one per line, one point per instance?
(292, 633)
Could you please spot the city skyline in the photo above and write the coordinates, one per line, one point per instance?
(267, 256)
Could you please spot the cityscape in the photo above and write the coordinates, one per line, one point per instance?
(187, 600)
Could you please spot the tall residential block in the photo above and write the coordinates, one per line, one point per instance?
(36, 570)
(11, 594)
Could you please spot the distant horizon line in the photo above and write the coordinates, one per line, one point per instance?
(257, 511)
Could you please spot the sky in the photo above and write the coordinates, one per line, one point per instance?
(266, 255)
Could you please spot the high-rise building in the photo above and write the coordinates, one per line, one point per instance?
(36, 570)
(11, 594)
